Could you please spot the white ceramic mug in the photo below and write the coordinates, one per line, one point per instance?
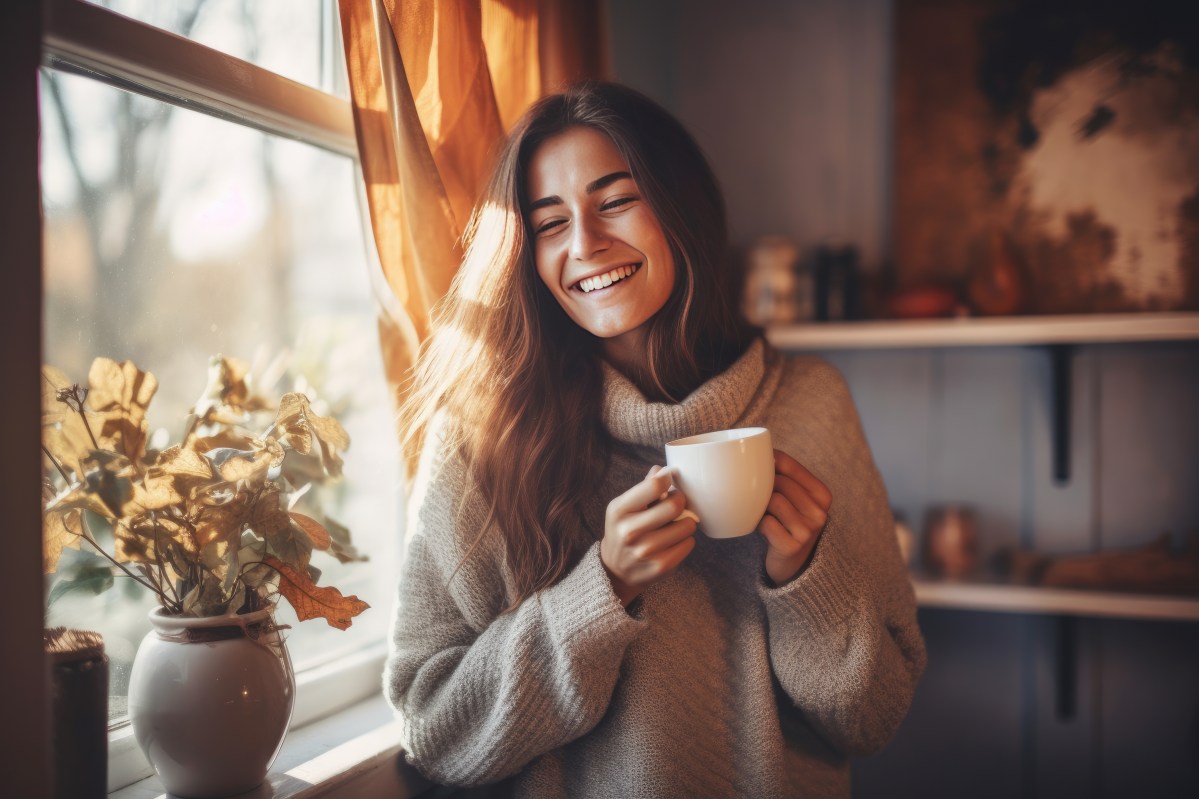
(727, 477)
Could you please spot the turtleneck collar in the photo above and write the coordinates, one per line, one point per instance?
(721, 402)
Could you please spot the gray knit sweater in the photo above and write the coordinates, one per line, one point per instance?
(713, 684)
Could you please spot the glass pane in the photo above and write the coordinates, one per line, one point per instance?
(298, 39)
(171, 236)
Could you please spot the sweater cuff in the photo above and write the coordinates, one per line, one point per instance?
(584, 613)
(824, 595)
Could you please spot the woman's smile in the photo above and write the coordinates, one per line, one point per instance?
(597, 283)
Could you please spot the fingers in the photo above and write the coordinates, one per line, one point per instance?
(642, 523)
(640, 496)
(807, 506)
(777, 536)
(792, 522)
(650, 543)
(673, 556)
(786, 465)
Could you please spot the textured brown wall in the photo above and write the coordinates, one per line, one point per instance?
(1096, 220)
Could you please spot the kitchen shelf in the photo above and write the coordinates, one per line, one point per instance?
(1001, 598)
(1058, 334)
(987, 331)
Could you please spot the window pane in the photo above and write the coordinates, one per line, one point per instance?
(298, 39)
(171, 236)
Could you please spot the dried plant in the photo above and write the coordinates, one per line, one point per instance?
(207, 524)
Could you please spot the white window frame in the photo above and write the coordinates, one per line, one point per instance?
(90, 40)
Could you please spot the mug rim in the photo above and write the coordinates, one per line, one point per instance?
(744, 434)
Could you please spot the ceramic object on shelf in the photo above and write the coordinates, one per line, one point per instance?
(950, 541)
(906, 539)
(778, 288)
(210, 700)
(997, 285)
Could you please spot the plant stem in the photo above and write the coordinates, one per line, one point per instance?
(88, 427)
(86, 536)
(162, 577)
(57, 465)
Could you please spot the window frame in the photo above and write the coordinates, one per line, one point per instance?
(89, 40)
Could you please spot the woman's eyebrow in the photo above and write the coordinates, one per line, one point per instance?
(591, 188)
(606, 180)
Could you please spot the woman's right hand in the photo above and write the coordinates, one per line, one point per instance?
(644, 538)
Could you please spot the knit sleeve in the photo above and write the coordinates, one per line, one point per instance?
(844, 641)
(480, 692)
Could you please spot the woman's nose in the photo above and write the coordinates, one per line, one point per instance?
(587, 238)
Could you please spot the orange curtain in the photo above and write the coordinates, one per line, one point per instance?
(434, 86)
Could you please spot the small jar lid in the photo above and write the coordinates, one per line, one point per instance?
(64, 645)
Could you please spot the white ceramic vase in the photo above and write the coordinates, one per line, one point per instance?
(210, 712)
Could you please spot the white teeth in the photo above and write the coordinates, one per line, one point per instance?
(607, 279)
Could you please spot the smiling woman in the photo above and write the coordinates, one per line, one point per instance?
(560, 624)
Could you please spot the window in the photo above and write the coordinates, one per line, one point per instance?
(297, 39)
(183, 218)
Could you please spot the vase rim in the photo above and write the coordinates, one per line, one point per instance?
(160, 618)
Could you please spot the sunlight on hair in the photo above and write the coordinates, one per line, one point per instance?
(493, 235)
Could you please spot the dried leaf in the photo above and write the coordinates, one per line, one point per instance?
(311, 601)
(227, 438)
(153, 537)
(79, 497)
(205, 598)
(174, 478)
(121, 393)
(316, 533)
(182, 464)
(227, 399)
(342, 549)
(134, 548)
(155, 493)
(290, 544)
(306, 431)
(268, 515)
(60, 530)
(109, 476)
(221, 522)
(237, 464)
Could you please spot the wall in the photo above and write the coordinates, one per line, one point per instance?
(792, 101)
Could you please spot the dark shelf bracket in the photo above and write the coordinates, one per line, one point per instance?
(1061, 359)
(1066, 668)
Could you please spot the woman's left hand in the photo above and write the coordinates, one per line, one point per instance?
(794, 519)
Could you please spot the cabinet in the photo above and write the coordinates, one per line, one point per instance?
(1032, 691)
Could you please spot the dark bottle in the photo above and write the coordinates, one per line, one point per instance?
(836, 283)
(79, 713)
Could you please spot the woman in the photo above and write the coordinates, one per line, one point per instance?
(559, 626)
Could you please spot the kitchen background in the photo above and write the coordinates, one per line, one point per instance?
(797, 104)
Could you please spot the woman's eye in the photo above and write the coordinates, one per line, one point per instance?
(612, 205)
(549, 226)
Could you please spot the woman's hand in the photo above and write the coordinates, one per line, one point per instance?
(794, 519)
(644, 540)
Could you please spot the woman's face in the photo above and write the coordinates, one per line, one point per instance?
(599, 248)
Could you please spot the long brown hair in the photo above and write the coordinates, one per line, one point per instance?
(520, 383)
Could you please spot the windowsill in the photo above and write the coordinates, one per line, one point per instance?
(354, 752)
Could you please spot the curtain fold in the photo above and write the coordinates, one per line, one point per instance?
(434, 86)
